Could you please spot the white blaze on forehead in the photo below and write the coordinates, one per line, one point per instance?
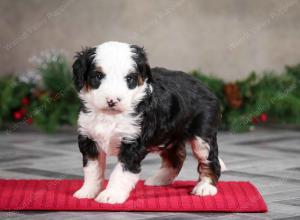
(114, 58)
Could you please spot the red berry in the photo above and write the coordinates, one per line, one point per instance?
(29, 120)
(23, 111)
(254, 120)
(17, 115)
(25, 101)
(263, 117)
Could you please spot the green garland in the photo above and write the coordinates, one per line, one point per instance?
(274, 96)
(52, 101)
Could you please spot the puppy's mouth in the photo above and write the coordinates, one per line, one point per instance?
(111, 111)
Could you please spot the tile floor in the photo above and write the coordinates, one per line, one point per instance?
(268, 158)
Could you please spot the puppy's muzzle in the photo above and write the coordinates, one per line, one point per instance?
(112, 102)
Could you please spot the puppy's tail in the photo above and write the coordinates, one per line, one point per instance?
(222, 164)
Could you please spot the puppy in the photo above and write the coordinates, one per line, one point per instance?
(130, 110)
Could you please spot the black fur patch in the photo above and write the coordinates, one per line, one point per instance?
(179, 108)
(87, 148)
(132, 154)
(81, 67)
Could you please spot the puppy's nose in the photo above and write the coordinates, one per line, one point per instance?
(111, 102)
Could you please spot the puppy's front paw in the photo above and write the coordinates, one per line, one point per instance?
(86, 192)
(204, 188)
(111, 197)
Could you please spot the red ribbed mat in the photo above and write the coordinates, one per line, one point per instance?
(57, 195)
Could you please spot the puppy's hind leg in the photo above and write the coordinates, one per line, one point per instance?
(206, 152)
(172, 161)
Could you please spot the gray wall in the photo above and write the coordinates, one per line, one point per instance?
(227, 38)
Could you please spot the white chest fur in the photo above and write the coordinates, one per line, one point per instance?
(108, 130)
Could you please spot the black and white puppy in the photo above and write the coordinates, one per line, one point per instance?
(130, 110)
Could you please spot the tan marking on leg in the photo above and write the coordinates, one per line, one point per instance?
(205, 171)
(200, 149)
(102, 166)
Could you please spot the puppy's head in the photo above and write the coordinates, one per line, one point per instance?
(112, 77)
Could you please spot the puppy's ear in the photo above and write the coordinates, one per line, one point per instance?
(81, 66)
(140, 57)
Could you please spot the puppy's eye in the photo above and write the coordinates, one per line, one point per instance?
(100, 75)
(131, 80)
(95, 79)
